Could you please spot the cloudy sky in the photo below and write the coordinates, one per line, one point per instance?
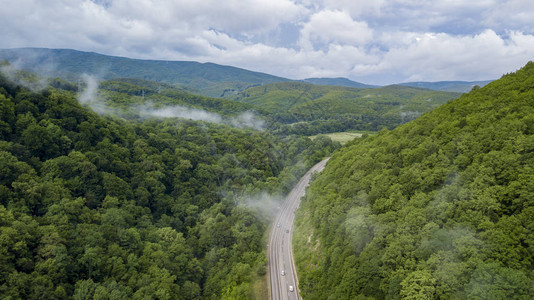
(371, 41)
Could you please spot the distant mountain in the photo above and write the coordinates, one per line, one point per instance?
(448, 86)
(339, 81)
(207, 79)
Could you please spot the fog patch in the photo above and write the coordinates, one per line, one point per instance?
(263, 204)
(243, 120)
(407, 116)
(247, 119)
(89, 94)
(28, 80)
(149, 110)
(360, 224)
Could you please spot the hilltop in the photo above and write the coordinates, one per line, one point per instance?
(339, 81)
(311, 109)
(207, 79)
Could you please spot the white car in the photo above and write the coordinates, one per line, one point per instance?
(291, 288)
(283, 272)
(278, 225)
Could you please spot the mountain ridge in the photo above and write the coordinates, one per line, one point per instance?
(450, 86)
(207, 79)
(338, 81)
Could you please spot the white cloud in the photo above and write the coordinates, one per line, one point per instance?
(180, 112)
(441, 56)
(244, 120)
(511, 15)
(90, 93)
(356, 8)
(327, 26)
(381, 42)
(238, 16)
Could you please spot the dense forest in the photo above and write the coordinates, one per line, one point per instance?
(102, 207)
(439, 208)
(307, 109)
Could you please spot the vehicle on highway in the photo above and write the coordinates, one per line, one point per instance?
(281, 272)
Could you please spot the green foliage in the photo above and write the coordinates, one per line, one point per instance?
(307, 109)
(129, 95)
(98, 208)
(440, 208)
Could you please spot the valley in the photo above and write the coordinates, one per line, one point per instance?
(166, 180)
(282, 273)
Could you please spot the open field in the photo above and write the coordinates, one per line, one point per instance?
(341, 137)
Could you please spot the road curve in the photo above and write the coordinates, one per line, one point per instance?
(280, 252)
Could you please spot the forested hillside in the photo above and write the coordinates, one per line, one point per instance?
(96, 207)
(439, 208)
(204, 78)
(128, 94)
(303, 108)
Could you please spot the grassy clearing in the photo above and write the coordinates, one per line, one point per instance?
(306, 250)
(342, 137)
(260, 285)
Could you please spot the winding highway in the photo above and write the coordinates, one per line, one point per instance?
(283, 276)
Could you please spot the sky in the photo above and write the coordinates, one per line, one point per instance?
(369, 41)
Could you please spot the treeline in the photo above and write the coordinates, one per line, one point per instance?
(440, 208)
(96, 207)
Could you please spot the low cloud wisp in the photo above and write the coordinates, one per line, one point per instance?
(244, 120)
(263, 203)
(89, 96)
(13, 73)
(179, 112)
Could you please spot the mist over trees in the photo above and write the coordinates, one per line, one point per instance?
(134, 189)
(100, 207)
(440, 208)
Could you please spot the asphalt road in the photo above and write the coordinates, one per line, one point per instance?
(280, 252)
